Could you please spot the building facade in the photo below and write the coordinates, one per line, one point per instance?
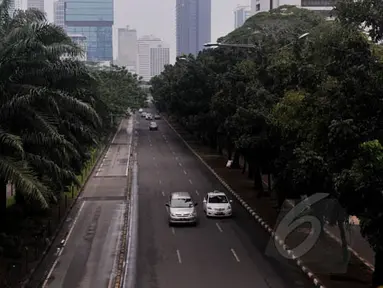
(153, 55)
(94, 20)
(36, 4)
(241, 14)
(322, 6)
(81, 41)
(127, 49)
(15, 5)
(58, 13)
(193, 25)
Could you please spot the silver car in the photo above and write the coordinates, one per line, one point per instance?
(181, 209)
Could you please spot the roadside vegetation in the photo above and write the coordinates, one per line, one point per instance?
(307, 110)
(56, 114)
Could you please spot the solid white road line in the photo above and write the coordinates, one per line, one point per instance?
(219, 227)
(179, 257)
(63, 246)
(190, 181)
(235, 255)
(185, 172)
(163, 193)
(173, 231)
(118, 130)
(196, 192)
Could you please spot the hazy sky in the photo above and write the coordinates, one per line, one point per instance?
(157, 17)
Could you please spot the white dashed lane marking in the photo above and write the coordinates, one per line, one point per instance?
(196, 192)
(179, 257)
(160, 182)
(219, 227)
(180, 164)
(190, 181)
(235, 255)
(173, 231)
(163, 193)
(185, 172)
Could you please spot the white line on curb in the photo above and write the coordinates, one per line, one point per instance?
(63, 245)
(308, 273)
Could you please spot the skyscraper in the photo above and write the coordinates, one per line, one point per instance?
(58, 13)
(94, 20)
(15, 5)
(36, 4)
(153, 55)
(127, 49)
(241, 13)
(193, 27)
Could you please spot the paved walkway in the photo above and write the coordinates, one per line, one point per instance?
(324, 260)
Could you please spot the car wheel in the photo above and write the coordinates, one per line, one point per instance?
(170, 224)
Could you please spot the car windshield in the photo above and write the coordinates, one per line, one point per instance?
(218, 199)
(181, 203)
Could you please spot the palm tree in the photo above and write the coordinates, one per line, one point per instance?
(45, 109)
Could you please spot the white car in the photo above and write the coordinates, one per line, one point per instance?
(140, 110)
(148, 116)
(216, 204)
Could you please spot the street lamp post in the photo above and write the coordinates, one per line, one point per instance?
(249, 45)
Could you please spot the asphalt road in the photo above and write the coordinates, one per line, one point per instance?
(216, 253)
(89, 255)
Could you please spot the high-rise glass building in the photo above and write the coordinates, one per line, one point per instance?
(241, 14)
(94, 20)
(58, 13)
(193, 27)
(36, 4)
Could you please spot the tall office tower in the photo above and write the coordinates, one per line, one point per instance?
(15, 5)
(153, 55)
(322, 6)
(81, 41)
(193, 25)
(36, 4)
(94, 20)
(241, 13)
(127, 49)
(58, 13)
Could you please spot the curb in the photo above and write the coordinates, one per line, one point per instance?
(259, 219)
(61, 224)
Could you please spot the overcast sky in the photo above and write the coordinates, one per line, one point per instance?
(157, 17)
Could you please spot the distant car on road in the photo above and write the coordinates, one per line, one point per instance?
(153, 126)
(149, 116)
(181, 209)
(157, 117)
(140, 110)
(143, 114)
(216, 204)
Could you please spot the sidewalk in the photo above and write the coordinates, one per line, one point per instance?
(325, 257)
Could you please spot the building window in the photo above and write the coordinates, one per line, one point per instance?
(257, 7)
(317, 3)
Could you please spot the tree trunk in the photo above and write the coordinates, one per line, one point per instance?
(269, 182)
(345, 253)
(250, 172)
(3, 197)
(244, 166)
(377, 276)
(235, 164)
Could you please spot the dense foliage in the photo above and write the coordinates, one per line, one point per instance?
(306, 109)
(53, 108)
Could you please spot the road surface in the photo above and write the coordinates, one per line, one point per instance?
(89, 255)
(216, 253)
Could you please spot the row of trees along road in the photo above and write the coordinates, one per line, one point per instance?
(53, 110)
(308, 110)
